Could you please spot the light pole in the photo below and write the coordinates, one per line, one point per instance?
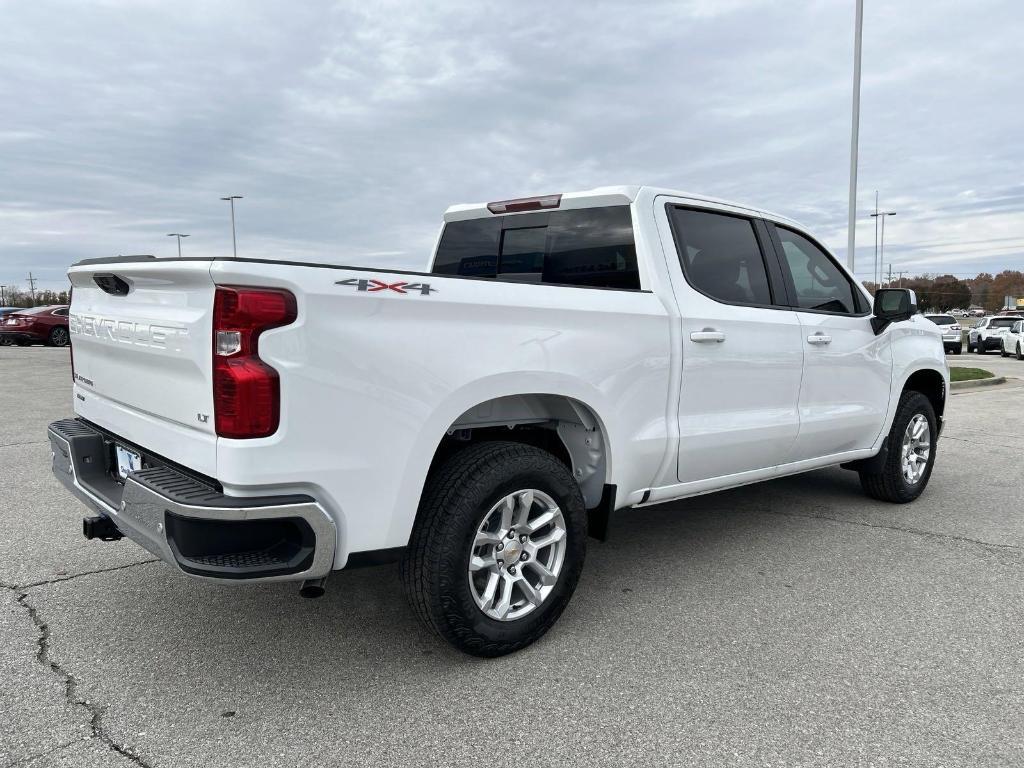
(179, 236)
(881, 247)
(851, 226)
(234, 243)
(3, 300)
(874, 273)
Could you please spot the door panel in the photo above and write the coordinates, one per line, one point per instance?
(845, 392)
(738, 404)
(847, 368)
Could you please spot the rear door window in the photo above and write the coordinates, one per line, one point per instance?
(720, 256)
(590, 247)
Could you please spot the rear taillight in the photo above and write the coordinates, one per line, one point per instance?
(246, 391)
(71, 348)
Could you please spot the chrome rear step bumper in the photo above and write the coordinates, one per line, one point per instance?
(190, 524)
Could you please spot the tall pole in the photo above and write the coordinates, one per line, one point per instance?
(881, 245)
(874, 273)
(234, 242)
(3, 300)
(851, 227)
(178, 235)
(32, 287)
(881, 248)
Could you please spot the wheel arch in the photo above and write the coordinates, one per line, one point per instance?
(532, 403)
(930, 383)
(567, 427)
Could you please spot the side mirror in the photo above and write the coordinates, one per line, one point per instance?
(891, 306)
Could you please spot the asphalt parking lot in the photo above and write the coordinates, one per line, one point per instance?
(795, 622)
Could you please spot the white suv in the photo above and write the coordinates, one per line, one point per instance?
(988, 333)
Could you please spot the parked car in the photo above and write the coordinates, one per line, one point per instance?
(564, 357)
(4, 311)
(952, 338)
(986, 334)
(1012, 342)
(958, 312)
(38, 325)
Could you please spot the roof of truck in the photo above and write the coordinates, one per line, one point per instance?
(619, 194)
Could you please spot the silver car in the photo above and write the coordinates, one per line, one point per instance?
(952, 339)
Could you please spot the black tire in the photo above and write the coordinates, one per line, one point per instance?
(889, 484)
(455, 501)
(980, 347)
(970, 347)
(59, 337)
(1020, 352)
(958, 349)
(1003, 352)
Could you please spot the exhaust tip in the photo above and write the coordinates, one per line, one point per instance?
(313, 588)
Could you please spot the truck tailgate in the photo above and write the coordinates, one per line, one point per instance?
(141, 343)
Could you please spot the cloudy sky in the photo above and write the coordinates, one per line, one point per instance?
(349, 127)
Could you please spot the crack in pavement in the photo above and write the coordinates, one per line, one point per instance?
(44, 753)
(984, 443)
(915, 531)
(33, 442)
(42, 656)
(72, 576)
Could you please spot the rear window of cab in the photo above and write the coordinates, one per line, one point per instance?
(585, 247)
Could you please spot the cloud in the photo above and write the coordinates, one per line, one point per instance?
(350, 128)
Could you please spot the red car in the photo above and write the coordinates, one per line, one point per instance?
(38, 325)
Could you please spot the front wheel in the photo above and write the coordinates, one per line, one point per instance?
(497, 547)
(1003, 352)
(911, 453)
(1020, 352)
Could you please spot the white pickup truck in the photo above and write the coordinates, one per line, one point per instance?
(564, 357)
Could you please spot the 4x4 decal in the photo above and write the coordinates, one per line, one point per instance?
(402, 287)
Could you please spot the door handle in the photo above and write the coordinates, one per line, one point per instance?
(819, 338)
(707, 335)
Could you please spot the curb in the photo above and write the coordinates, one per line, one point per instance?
(975, 383)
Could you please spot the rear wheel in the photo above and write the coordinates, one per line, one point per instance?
(1002, 351)
(911, 453)
(497, 547)
(1020, 352)
(58, 337)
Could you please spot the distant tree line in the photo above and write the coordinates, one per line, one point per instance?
(13, 296)
(942, 292)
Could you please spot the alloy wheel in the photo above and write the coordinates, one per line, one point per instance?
(59, 337)
(916, 449)
(517, 555)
